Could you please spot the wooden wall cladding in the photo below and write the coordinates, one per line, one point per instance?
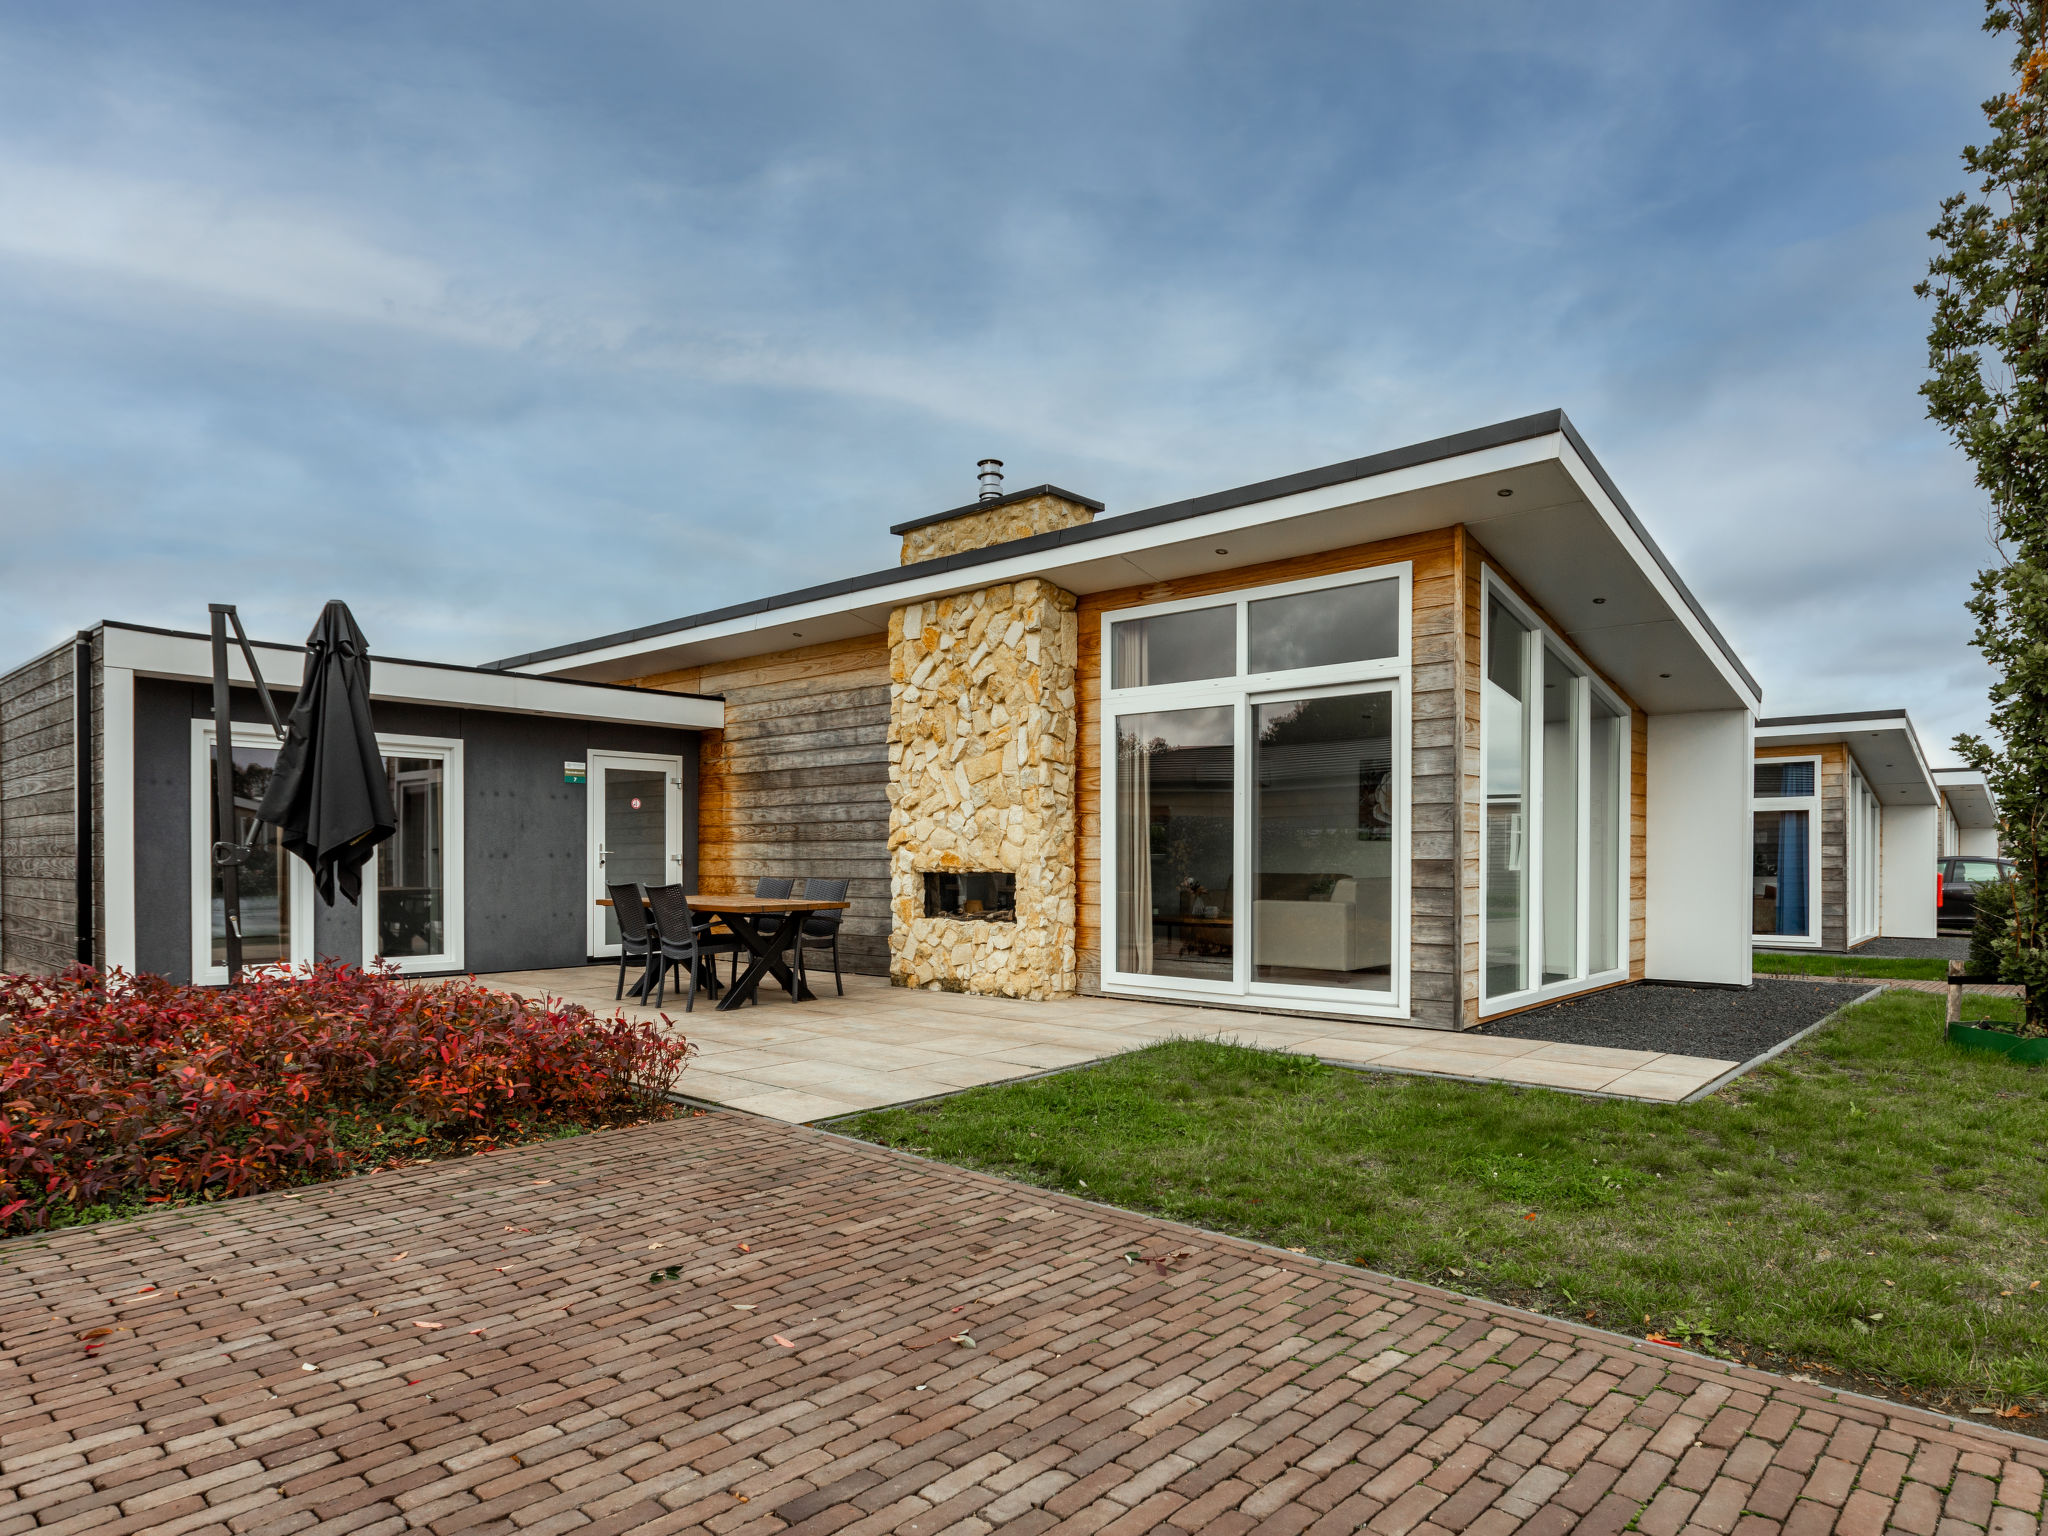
(38, 831)
(1434, 747)
(798, 781)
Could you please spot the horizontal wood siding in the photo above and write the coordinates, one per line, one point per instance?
(1434, 745)
(38, 842)
(798, 781)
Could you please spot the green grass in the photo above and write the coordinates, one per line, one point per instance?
(1880, 967)
(1864, 1201)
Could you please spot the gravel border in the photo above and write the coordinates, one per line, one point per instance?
(1727, 1023)
(1949, 947)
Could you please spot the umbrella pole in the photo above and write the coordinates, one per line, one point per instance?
(227, 849)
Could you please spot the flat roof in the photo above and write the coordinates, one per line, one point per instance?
(996, 501)
(187, 656)
(1883, 742)
(1969, 797)
(1529, 489)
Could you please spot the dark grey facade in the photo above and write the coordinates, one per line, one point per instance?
(525, 901)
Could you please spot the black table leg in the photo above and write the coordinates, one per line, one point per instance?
(767, 946)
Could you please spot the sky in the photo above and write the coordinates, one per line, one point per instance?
(513, 324)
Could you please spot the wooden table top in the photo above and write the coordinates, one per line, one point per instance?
(754, 905)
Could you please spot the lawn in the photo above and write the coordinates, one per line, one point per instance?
(1877, 967)
(1870, 1202)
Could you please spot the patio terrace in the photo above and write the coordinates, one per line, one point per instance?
(879, 1044)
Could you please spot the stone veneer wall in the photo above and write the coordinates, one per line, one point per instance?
(981, 757)
(1001, 523)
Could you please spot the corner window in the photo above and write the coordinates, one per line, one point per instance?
(1784, 859)
(1554, 749)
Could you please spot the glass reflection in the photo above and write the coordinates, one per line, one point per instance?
(1176, 843)
(410, 887)
(1174, 648)
(265, 886)
(1324, 825)
(1322, 628)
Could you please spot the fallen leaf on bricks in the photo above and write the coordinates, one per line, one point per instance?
(309, 1366)
(785, 1343)
(966, 1339)
(96, 1333)
(418, 1324)
(746, 1247)
(744, 1306)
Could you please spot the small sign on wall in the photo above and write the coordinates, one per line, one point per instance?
(573, 773)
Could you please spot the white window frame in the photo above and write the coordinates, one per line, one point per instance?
(453, 849)
(1865, 852)
(1240, 691)
(204, 972)
(1588, 687)
(1815, 934)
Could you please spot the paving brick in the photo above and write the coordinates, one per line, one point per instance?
(1248, 1394)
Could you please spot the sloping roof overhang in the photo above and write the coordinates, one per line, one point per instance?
(1883, 743)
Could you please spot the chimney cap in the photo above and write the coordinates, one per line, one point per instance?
(990, 473)
(1004, 500)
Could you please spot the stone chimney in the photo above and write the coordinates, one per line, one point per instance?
(995, 518)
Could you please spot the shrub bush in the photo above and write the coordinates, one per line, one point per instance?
(114, 1093)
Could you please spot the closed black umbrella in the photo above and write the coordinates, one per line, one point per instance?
(328, 796)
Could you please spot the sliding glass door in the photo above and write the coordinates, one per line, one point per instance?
(1554, 844)
(1254, 840)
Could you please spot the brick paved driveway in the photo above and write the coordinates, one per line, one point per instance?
(1227, 1391)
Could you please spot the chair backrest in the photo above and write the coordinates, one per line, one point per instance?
(627, 909)
(775, 886)
(672, 914)
(824, 890)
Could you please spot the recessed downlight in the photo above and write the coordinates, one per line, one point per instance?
(1222, 551)
(1503, 491)
(1599, 600)
(1663, 674)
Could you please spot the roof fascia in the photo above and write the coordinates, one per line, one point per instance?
(183, 657)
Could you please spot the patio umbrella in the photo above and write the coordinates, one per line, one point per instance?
(328, 796)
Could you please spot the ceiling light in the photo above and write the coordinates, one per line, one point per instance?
(1599, 599)
(1222, 551)
(1663, 674)
(1503, 492)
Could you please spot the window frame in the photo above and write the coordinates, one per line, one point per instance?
(450, 960)
(1815, 936)
(1588, 685)
(200, 793)
(1241, 691)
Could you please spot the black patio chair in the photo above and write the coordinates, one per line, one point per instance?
(684, 938)
(821, 929)
(636, 938)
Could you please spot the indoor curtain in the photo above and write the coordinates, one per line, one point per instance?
(1792, 862)
(1133, 854)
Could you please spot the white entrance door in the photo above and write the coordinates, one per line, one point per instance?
(636, 831)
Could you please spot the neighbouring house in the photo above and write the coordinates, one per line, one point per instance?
(1425, 737)
(107, 817)
(1968, 827)
(1844, 828)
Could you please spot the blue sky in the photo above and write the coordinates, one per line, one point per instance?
(512, 324)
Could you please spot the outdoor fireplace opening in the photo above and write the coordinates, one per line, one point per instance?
(984, 895)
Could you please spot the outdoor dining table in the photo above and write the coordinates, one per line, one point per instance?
(747, 919)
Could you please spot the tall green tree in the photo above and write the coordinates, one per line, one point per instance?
(1987, 351)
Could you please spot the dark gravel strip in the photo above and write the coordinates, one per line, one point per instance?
(1896, 949)
(1732, 1025)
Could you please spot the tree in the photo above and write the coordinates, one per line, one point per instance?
(1987, 351)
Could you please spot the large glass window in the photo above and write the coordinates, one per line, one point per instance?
(1785, 812)
(1323, 828)
(265, 886)
(1606, 911)
(411, 888)
(1555, 837)
(1508, 647)
(1176, 855)
(1256, 790)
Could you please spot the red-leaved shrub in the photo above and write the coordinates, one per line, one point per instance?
(113, 1090)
